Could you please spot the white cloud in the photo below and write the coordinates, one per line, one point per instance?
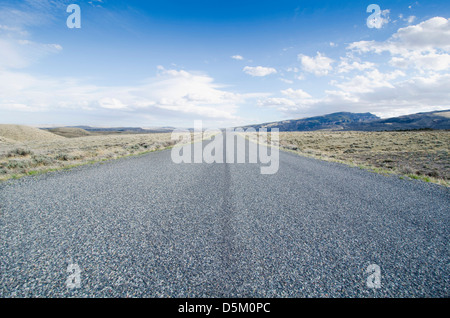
(430, 61)
(111, 103)
(428, 35)
(13, 29)
(276, 101)
(369, 81)
(347, 66)
(292, 69)
(385, 17)
(237, 57)
(259, 70)
(425, 46)
(297, 93)
(411, 19)
(295, 100)
(432, 33)
(320, 65)
(286, 81)
(300, 76)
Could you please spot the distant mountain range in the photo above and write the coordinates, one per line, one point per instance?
(362, 122)
(344, 121)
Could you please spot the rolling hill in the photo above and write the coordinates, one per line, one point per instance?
(21, 133)
(70, 132)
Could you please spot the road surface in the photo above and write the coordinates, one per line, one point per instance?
(147, 227)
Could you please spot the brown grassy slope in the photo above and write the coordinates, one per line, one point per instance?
(443, 114)
(70, 132)
(25, 133)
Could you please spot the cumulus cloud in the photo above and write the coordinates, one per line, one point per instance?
(430, 61)
(320, 65)
(294, 100)
(369, 81)
(237, 57)
(411, 19)
(111, 103)
(429, 34)
(295, 93)
(287, 81)
(276, 101)
(347, 66)
(259, 70)
(424, 46)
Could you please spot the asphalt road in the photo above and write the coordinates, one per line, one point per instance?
(147, 227)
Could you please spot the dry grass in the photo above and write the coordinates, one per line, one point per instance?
(416, 154)
(25, 133)
(70, 132)
(444, 114)
(19, 158)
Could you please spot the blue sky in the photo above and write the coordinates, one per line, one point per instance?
(168, 63)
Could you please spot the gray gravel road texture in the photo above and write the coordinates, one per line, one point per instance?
(147, 227)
